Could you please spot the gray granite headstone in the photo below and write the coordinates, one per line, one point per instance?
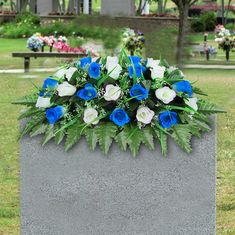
(118, 7)
(86, 193)
(44, 7)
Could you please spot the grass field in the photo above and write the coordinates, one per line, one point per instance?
(216, 83)
(219, 84)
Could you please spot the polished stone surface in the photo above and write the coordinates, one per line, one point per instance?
(86, 193)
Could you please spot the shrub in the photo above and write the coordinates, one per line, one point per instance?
(209, 19)
(206, 22)
(197, 25)
(28, 18)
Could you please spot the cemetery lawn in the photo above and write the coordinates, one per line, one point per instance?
(219, 84)
(218, 59)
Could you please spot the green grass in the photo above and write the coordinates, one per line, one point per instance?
(215, 83)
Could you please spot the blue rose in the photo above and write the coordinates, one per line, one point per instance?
(85, 61)
(139, 92)
(134, 59)
(87, 93)
(137, 69)
(54, 114)
(183, 86)
(168, 119)
(119, 117)
(49, 83)
(94, 70)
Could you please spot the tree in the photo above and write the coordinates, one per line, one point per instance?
(183, 7)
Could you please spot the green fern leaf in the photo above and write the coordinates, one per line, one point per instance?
(48, 135)
(91, 137)
(121, 139)
(105, 134)
(147, 137)
(30, 112)
(34, 121)
(39, 129)
(74, 133)
(182, 136)
(162, 138)
(27, 100)
(134, 140)
(59, 134)
(208, 108)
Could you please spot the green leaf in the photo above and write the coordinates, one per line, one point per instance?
(209, 108)
(202, 125)
(59, 135)
(162, 137)
(198, 91)
(30, 112)
(48, 135)
(121, 139)
(74, 134)
(182, 136)
(105, 134)
(91, 138)
(147, 137)
(134, 140)
(39, 129)
(27, 100)
(34, 121)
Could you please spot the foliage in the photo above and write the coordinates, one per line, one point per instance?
(205, 22)
(27, 18)
(110, 99)
(111, 37)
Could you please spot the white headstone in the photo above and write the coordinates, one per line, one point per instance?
(118, 8)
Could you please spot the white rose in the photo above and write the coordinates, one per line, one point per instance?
(111, 61)
(165, 94)
(69, 73)
(145, 115)
(192, 102)
(114, 71)
(66, 89)
(43, 102)
(112, 92)
(152, 63)
(158, 72)
(90, 116)
(60, 73)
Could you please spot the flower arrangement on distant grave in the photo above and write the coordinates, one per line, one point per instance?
(225, 39)
(125, 99)
(133, 41)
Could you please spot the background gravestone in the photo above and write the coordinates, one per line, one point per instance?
(118, 8)
(86, 193)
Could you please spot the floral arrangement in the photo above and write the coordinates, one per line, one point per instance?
(35, 43)
(127, 99)
(133, 42)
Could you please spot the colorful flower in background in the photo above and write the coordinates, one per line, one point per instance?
(83, 99)
(35, 43)
(133, 41)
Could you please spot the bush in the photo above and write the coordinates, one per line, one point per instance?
(197, 25)
(209, 19)
(206, 22)
(28, 18)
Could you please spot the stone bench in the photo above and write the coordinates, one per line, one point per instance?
(28, 55)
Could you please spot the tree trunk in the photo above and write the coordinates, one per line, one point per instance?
(160, 7)
(139, 7)
(183, 29)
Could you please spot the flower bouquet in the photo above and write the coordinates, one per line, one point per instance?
(128, 100)
(35, 43)
(49, 41)
(133, 42)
